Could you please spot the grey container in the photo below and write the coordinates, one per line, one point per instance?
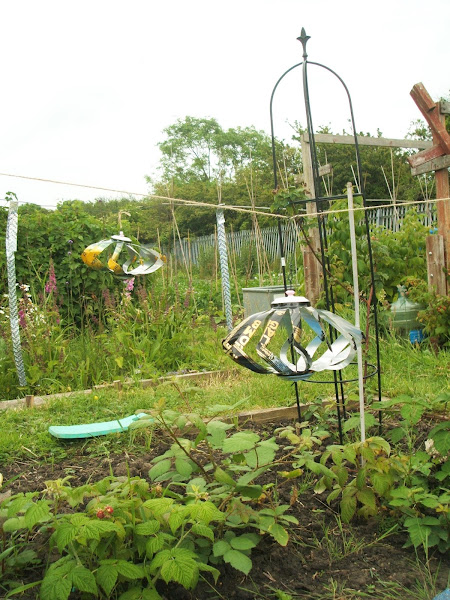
(257, 299)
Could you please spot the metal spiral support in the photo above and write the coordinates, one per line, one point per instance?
(11, 249)
(223, 255)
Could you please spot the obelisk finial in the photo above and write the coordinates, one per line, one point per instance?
(303, 38)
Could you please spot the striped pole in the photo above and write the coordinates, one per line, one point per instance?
(11, 249)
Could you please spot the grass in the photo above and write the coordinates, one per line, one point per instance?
(342, 541)
(406, 370)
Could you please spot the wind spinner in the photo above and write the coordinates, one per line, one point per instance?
(140, 259)
(290, 318)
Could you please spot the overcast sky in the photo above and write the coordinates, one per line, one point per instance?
(88, 86)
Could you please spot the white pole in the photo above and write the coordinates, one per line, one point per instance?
(351, 221)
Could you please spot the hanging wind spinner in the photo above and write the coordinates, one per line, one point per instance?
(141, 260)
(283, 327)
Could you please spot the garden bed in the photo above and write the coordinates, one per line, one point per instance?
(324, 557)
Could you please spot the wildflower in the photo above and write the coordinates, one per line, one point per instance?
(129, 284)
(50, 286)
(186, 300)
(22, 318)
(69, 253)
(70, 241)
(109, 300)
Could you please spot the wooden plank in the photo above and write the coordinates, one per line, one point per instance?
(329, 138)
(205, 376)
(426, 155)
(430, 111)
(435, 261)
(325, 170)
(441, 162)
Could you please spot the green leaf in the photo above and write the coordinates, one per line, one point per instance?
(106, 576)
(412, 412)
(154, 544)
(203, 531)
(397, 434)
(333, 495)
(222, 477)
(65, 533)
(161, 468)
(14, 524)
(367, 497)
(318, 469)
(239, 561)
(183, 467)
(181, 567)
(37, 513)
(220, 547)
(348, 507)
(243, 542)
(16, 505)
(205, 511)
(350, 454)
(54, 587)
(139, 593)
(147, 528)
(249, 491)
(204, 567)
(83, 580)
(238, 442)
(418, 531)
(159, 506)
(279, 534)
(380, 482)
(430, 502)
(119, 361)
(129, 570)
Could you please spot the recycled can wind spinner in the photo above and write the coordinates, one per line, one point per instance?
(141, 260)
(283, 326)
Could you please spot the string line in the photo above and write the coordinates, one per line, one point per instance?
(224, 206)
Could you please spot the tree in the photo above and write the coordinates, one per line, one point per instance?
(203, 162)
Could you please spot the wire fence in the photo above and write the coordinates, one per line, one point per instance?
(192, 249)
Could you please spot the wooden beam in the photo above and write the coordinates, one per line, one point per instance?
(311, 266)
(435, 260)
(444, 107)
(430, 111)
(363, 140)
(442, 162)
(426, 156)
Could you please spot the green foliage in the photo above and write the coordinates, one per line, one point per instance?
(122, 535)
(436, 316)
(367, 477)
(397, 255)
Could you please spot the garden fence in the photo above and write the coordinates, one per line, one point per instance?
(190, 250)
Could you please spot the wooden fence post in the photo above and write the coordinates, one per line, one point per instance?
(311, 265)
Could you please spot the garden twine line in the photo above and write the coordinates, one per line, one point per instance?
(224, 206)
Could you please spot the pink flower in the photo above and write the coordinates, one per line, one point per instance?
(22, 318)
(129, 284)
(50, 286)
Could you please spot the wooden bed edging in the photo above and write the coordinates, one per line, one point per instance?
(32, 401)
